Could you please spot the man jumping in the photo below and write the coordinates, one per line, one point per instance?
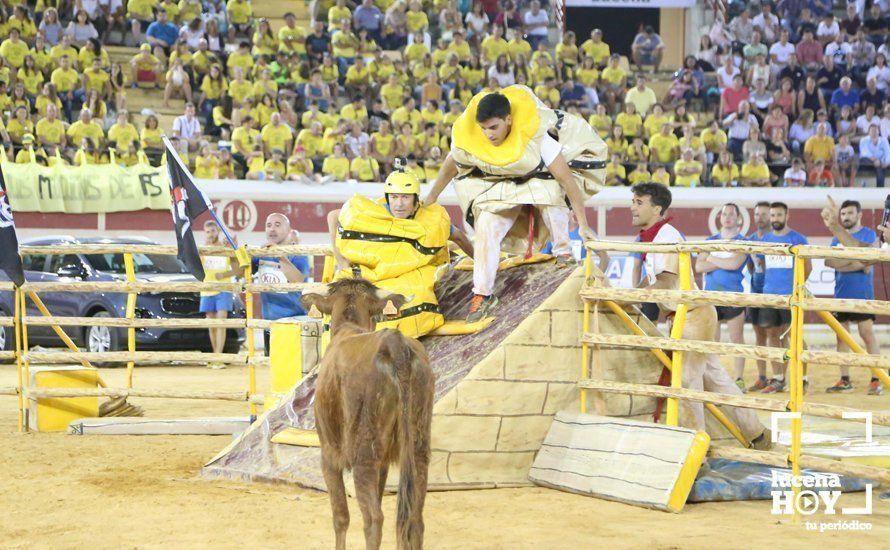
(509, 154)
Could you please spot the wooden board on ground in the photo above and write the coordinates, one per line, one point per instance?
(159, 426)
(639, 463)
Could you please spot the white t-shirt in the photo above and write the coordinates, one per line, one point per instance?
(782, 52)
(795, 178)
(531, 19)
(187, 129)
(550, 148)
(863, 123)
(828, 30)
(724, 77)
(658, 263)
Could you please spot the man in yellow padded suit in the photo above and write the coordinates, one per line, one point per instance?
(399, 245)
(509, 151)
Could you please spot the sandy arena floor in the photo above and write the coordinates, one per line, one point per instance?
(65, 491)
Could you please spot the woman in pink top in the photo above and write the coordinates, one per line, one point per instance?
(776, 119)
(786, 97)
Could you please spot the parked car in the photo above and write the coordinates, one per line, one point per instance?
(110, 267)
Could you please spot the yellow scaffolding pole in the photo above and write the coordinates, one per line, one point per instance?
(585, 349)
(666, 361)
(854, 346)
(251, 347)
(673, 404)
(130, 313)
(795, 370)
(17, 329)
(26, 367)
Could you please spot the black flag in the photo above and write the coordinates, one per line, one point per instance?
(10, 261)
(188, 203)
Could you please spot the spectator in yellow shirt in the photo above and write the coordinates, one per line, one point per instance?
(146, 67)
(494, 45)
(240, 14)
(122, 132)
(725, 173)
(819, 147)
(336, 165)
(416, 18)
(337, 14)
(50, 130)
(276, 135)
(755, 172)
(20, 125)
(382, 145)
(206, 164)
(664, 147)
(687, 170)
(596, 48)
(14, 49)
(639, 174)
(630, 121)
(274, 167)
(364, 167)
(65, 79)
(256, 163)
(616, 174)
(613, 80)
(714, 139)
(662, 176)
(85, 127)
(637, 151)
(299, 168)
(240, 58)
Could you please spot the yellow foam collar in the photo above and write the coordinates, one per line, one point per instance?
(467, 134)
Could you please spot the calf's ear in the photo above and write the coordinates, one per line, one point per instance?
(317, 301)
(387, 303)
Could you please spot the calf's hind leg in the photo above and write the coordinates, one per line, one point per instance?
(333, 478)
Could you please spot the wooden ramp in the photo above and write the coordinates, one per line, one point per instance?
(496, 391)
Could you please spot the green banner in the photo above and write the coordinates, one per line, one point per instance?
(86, 189)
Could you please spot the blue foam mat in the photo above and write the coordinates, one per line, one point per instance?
(734, 480)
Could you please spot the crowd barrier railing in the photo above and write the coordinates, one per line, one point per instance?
(24, 358)
(596, 292)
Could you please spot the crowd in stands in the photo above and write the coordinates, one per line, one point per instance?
(781, 95)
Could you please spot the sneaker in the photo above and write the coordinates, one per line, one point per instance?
(875, 388)
(775, 386)
(480, 306)
(741, 384)
(841, 386)
(565, 261)
(761, 383)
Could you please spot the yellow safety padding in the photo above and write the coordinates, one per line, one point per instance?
(458, 328)
(285, 359)
(298, 437)
(466, 264)
(689, 471)
(467, 134)
(54, 415)
(397, 266)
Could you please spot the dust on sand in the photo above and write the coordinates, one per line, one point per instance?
(64, 491)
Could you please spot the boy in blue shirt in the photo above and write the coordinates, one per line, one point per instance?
(756, 264)
(778, 278)
(288, 269)
(724, 273)
(854, 280)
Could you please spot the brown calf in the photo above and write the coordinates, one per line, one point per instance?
(373, 407)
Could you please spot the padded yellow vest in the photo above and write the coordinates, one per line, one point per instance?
(399, 255)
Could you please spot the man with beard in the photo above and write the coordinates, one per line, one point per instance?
(755, 268)
(286, 269)
(724, 273)
(854, 279)
(701, 371)
(778, 278)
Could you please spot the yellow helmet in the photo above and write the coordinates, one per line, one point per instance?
(402, 183)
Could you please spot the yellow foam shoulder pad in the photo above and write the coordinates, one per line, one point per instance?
(298, 437)
(466, 264)
(457, 328)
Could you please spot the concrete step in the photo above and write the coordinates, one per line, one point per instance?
(277, 9)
